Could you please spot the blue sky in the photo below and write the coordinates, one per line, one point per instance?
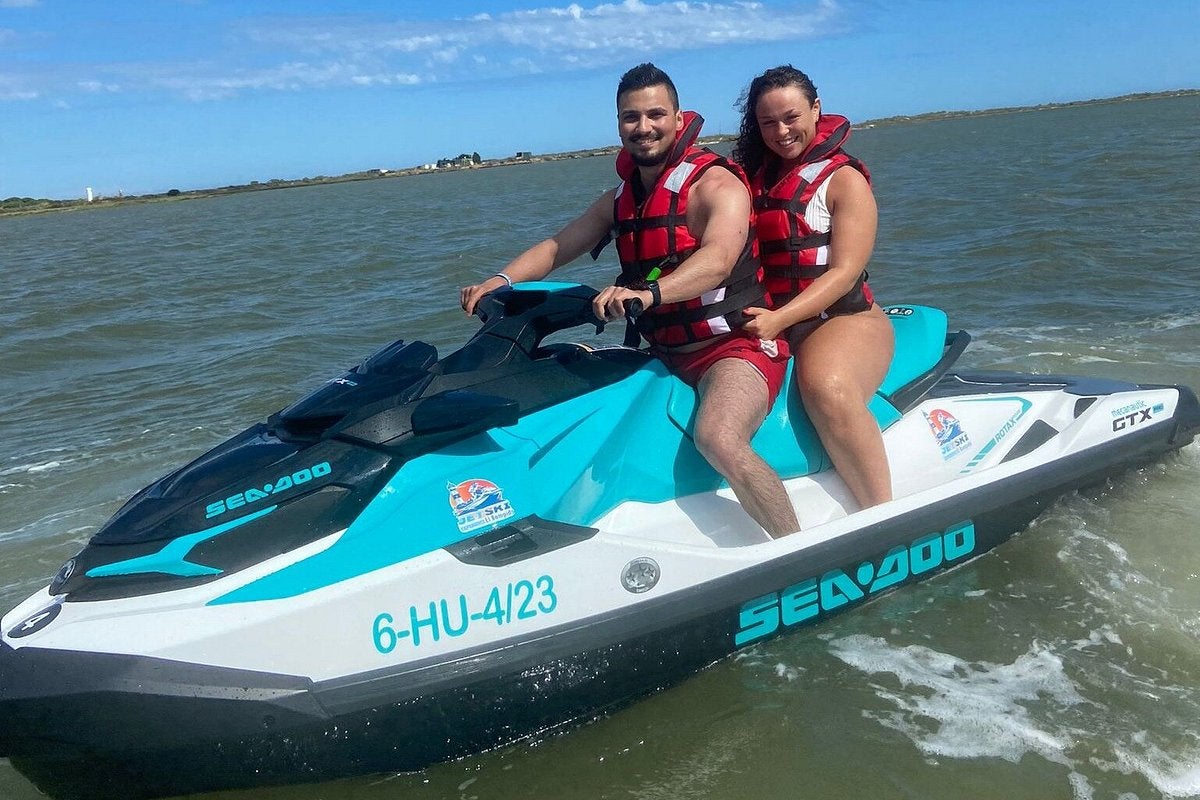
(140, 97)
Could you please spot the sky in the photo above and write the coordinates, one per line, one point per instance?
(143, 97)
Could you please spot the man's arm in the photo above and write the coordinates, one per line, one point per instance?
(718, 216)
(575, 239)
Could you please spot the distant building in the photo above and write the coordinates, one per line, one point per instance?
(524, 154)
(90, 197)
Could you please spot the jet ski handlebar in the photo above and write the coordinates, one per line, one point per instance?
(528, 313)
(633, 309)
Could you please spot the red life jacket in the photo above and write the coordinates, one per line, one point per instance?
(793, 253)
(652, 233)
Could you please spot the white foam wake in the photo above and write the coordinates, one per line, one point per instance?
(955, 708)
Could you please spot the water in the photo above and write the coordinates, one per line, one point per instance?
(1065, 664)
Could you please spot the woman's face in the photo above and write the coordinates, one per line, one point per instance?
(787, 121)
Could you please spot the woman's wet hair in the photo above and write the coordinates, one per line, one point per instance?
(749, 150)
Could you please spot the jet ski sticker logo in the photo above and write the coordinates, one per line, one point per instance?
(478, 503)
(948, 431)
(815, 596)
(1135, 414)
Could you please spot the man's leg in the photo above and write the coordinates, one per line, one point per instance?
(733, 403)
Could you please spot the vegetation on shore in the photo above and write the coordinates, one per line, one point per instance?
(29, 205)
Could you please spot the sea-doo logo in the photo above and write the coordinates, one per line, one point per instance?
(281, 484)
(805, 600)
(36, 622)
(1137, 417)
(478, 503)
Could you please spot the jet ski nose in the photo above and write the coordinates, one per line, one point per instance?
(1187, 416)
(10, 723)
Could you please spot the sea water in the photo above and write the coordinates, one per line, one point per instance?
(1064, 664)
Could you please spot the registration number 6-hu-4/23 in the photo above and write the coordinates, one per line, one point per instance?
(504, 605)
(804, 600)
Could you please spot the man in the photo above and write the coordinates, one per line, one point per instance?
(682, 223)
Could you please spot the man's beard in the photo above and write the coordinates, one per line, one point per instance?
(649, 161)
(653, 161)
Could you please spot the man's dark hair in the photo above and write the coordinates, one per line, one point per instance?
(643, 76)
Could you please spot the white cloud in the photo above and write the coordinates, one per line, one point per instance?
(548, 38)
(99, 86)
(396, 79)
(413, 44)
(288, 54)
(446, 56)
(19, 3)
(14, 88)
(291, 76)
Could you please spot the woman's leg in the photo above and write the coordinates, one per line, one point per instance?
(839, 366)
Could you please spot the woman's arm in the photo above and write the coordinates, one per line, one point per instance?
(854, 218)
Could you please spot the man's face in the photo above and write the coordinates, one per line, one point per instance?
(648, 124)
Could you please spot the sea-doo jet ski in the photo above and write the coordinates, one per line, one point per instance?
(427, 558)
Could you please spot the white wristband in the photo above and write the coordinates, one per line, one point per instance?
(504, 277)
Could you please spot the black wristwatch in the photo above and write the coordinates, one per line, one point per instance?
(655, 294)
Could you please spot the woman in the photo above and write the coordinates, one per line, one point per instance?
(816, 229)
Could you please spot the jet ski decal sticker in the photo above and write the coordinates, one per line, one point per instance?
(172, 558)
(806, 600)
(504, 605)
(35, 623)
(949, 433)
(1135, 414)
(478, 503)
(1008, 427)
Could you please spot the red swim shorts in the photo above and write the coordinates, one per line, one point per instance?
(769, 358)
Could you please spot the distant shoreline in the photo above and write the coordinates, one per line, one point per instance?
(15, 206)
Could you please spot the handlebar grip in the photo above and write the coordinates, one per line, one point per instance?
(633, 309)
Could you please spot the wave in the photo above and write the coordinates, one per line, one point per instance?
(955, 708)
(33, 469)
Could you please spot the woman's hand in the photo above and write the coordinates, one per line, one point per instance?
(764, 323)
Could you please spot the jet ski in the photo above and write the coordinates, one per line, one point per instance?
(430, 557)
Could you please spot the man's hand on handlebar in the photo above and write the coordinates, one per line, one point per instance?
(610, 303)
(469, 296)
